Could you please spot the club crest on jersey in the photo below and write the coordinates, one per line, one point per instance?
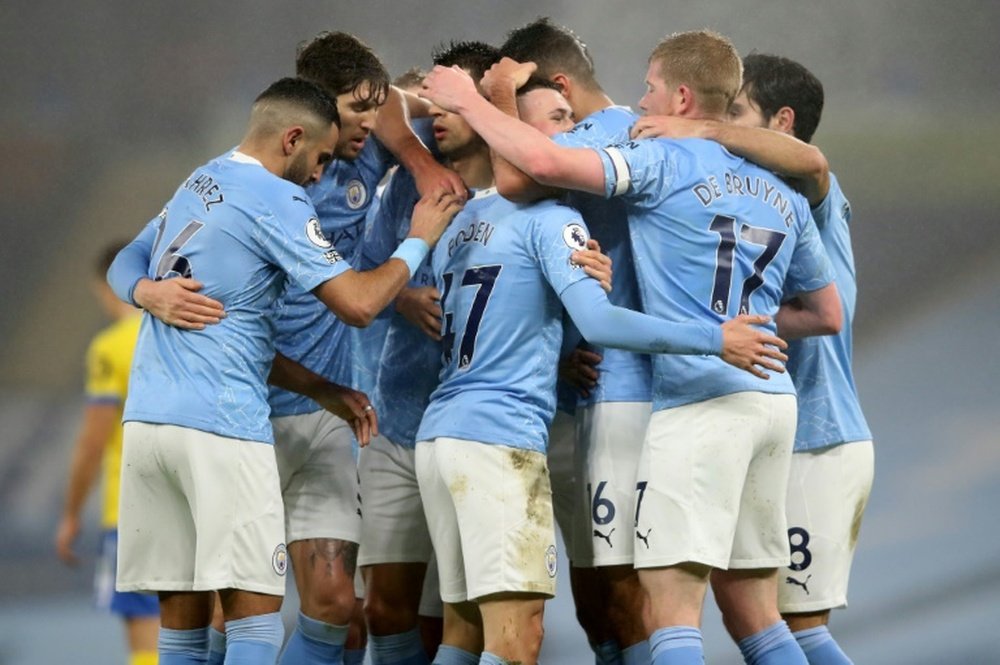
(279, 560)
(315, 234)
(551, 561)
(356, 194)
(575, 236)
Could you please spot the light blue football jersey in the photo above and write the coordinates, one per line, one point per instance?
(625, 376)
(501, 267)
(243, 233)
(410, 361)
(820, 367)
(714, 236)
(307, 331)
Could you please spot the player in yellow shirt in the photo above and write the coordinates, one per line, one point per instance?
(99, 446)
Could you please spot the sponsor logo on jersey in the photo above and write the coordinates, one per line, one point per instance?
(332, 256)
(279, 560)
(315, 234)
(356, 194)
(551, 560)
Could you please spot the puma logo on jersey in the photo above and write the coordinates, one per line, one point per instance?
(804, 585)
(643, 538)
(607, 537)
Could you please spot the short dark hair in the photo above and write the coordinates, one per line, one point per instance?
(554, 48)
(341, 63)
(304, 94)
(772, 82)
(106, 256)
(476, 57)
(536, 82)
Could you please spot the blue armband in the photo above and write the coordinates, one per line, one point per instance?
(412, 251)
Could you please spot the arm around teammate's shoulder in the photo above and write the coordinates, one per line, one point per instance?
(811, 313)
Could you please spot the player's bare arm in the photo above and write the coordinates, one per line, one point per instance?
(352, 406)
(774, 150)
(812, 313)
(522, 145)
(393, 130)
(358, 297)
(177, 302)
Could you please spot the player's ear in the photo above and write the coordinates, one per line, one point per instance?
(564, 83)
(291, 138)
(783, 120)
(683, 99)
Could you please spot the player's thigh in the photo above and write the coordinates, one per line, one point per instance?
(394, 529)
(319, 480)
(828, 491)
(691, 476)
(610, 436)
(442, 522)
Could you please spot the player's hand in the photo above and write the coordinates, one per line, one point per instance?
(750, 349)
(432, 214)
(669, 127)
(579, 369)
(507, 72)
(354, 407)
(69, 529)
(594, 263)
(433, 176)
(421, 306)
(177, 302)
(448, 88)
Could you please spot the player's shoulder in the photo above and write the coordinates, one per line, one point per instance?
(834, 204)
(607, 124)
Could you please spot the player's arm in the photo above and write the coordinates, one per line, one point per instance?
(393, 130)
(358, 297)
(174, 301)
(522, 145)
(782, 153)
(99, 421)
(812, 313)
(736, 341)
(353, 406)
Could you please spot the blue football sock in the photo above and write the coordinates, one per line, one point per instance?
(399, 649)
(772, 646)
(354, 656)
(216, 647)
(182, 647)
(677, 645)
(820, 647)
(314, 643)
(607, 653)
(491, 659)
(637, 654)
(254, 640)
(449, 655)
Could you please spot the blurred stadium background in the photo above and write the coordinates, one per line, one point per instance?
(108, 104)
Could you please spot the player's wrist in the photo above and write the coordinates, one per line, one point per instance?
(412, 252)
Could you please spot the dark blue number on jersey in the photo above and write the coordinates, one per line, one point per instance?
(754, 235)
(482, 277)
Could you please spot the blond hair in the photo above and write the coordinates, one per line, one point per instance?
(706, 62)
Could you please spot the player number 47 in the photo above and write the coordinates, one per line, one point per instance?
(483, 278)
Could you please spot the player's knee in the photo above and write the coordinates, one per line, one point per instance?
(330, 603)
(389, 616)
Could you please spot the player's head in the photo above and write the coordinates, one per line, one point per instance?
(109, 302)
(454, 136)
(694, 74)
(541, 104)
(779, 94)
(299, 120)
(351, 73)
(558, 52)
(410, 80)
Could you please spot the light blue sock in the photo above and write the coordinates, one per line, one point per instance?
(255, 640)
(354, 656)
(607, 653)
(820, 647)
(216, 647)
(491, 659)
(399, 649)
(637, 654)
(314, 643)
(772, 646)
(677, 645)
(449, 655)
(182, 647)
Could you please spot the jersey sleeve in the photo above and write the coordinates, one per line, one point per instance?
(639, 170)
(556, 235)
(103, 385)
(294, 240)
(810, 267)
(833, 206)
(132, 262)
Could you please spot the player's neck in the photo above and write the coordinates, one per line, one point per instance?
(269, 159)
(588, 102)
(474, 169)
